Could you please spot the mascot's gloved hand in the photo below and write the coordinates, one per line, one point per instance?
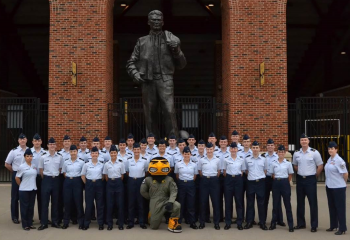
(169, 206)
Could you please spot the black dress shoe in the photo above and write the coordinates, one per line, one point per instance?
(74, 222)
(193, 226)
(26, 229)
(49, 222)
(272, 227)
(143, 226)
(331, 229)
(291, 229)
(93, 218)
(254, 223)
(109, 228)
(85, 228)
(32, 227)
(65, 226)
(313, 229)
(339, 232)
(201, 226)
(80, 227)
(42, 227)
(137, 221)
(15, 221)
(217, 227)
(299, 227)
(263, 227)
(121, 228)
(129, 227)
(239, 227)
(227, 227)
(282, 224)
(55, 225)
(101, 227)
(208, 221)
(248, 225)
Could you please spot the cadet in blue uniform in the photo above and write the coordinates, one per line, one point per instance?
(271, 157)
(114, 171)
(181, 144)
(235, 139)
(73, 188)
(191, 144)
(144, 154)
(233, 166)
(13, 161)
(256, 171)
(107, 143)
(222, 154)
(247, 152)
(336, 178)
(162, 153)
(282, 172)
(83, 152)
(123, 155)
(102, 157)
(26, 180)
(137, 167)
(212, 139)
(50, 165)
(308, 164)
(151, 148)
(37, 151)
(209, 170)
(130, 144)
(172, 149)
(186, 172)
(91, 174)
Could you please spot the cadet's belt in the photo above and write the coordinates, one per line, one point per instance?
(210, 176)
(257, 180)
(229, 175)
(46, 176)
(281, 179)
(114, 179)
(72, 178)
(310, 176)
(185, 181)
(135, 178)
(268, 176)
(94, 180)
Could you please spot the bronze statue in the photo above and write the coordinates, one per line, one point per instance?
(152, 64)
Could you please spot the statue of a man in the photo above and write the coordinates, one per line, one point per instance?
(152, 64)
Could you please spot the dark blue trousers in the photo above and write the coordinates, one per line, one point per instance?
(73, 199)
(93, 191)
(268, 189)
(187, 198)
(281, 188)
(209, 187)
(27, 202)
(221, 195)
(233, 188)
(126, 201)
(14, 197)
(135, 207)
(50, 189)
(337, 207)
(115, 194)
(61, 199)
(256, 188)
(307, 187)
(38, 194)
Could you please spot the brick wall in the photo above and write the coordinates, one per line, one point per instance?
(80, 31)
(254, 31)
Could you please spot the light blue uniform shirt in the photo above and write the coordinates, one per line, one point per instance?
(246, 154)
(216, 150)
(221, 156)
(186, 171)
(91, 171)
(239, 146)
(84, 154)
(172, 151)
(281, 170)
(28, 175)
(51, 164)
(146, 156)
(194, 151)
(114, 170)
(36, 157)
(65, 154)
(152, 151)
(106, 155)
(256, 167)
(100, 158)
(138, 168)
(167, 157)
(334, 170)
(307, 162)
(129, 151)
(234, 166)
(124, 158)
(209, 167)
(270, 159)
(73, 169)
(16, 157)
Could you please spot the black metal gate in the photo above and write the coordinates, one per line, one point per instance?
(196, 115)
(19, 115)
(323, 119)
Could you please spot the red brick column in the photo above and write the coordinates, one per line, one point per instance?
(81, 31)
(254, 31)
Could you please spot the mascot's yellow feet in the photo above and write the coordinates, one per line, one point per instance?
(174, 225)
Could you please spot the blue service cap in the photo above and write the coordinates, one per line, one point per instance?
(51, 140)
(303, 136)
(281, 148)
(96, 139)
(83, 139)
(122, 140)
(22, 136)
(36, 136)
(113, 148)
(73, 147)
(130, 136)
(108, 138)
(233, 145)
(255, 143)
(136, 145)
(223, 137)
(191, 136)
(180, 140)
(246, 137)
(332, 144)
(66, 137)
(143, 141)
(270, 141)
(209, 145)
(172, 137)
(187, 150)
(201, 142)
(94, 149)
(211, 134)
(28, 152)
(161, 141)
(150, 135)
(235, 133)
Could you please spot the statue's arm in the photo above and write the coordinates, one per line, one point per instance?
(179, 57)
(131, 63)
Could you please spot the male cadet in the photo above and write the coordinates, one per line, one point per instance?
(151, 148)
(209, 170)
(37, 151)
(178, 157)
(212, 139)
(172, 149)
(235, 139)
(222, 154)
(256, 170)
(191, 141)
(143, 147)
(13, 161)
(101, 158)
(247, 152)
(271, 157)
(50, 165)
(123, 156)
(107, 147)
(308, 164)
(83, 152)
(130, 143)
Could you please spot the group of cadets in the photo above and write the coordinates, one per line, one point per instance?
(112, 176)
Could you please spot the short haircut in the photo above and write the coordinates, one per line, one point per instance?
(155, 12)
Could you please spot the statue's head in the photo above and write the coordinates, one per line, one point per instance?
(155, 20)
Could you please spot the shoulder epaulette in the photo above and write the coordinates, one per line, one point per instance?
(81, 159)
(202, 156)
(144, 158)
(66, 159)
(14, 149)
(312, 149)
(263, 154)
(88, 151)
(248, 156)
(194, 155)
(240, 156)
(129, 157)
(227, 156)
(154, 153)
(216, 150)
(43, 154)
(217, 156)
(239, 150)
(103, 151)
(59, 153)
(129, 153)
(120, 160)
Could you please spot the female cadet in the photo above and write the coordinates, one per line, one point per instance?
(26, 179)
(282, 172)
(336, 178)
(91, 174)
(186, 172)
(73, 187)
(137, 166)
(114, 171)
(233, 166)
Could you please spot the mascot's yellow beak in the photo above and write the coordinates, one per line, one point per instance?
(159, 166)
